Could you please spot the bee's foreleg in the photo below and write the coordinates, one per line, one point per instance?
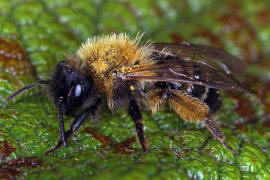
(76, 124)
(217, 132)
(61, 121)
(136, 115)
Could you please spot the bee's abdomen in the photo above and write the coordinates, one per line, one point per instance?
(209, 96)
(199, 92)
(213, 100)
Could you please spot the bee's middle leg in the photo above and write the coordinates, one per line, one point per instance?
(136, 115)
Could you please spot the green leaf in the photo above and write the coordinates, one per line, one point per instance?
(36, 35)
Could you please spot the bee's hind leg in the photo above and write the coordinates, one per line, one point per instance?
(217, 132)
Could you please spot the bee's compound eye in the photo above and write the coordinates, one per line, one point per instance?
(78, 90)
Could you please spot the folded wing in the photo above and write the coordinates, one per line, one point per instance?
(215, 57)
(185, 71)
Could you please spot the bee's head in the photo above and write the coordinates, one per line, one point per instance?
(70, 86)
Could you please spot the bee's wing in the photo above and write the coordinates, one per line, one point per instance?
(214, 57)
(184, 71)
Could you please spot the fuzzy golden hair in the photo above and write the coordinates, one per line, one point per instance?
(102, 53)
(188, 108)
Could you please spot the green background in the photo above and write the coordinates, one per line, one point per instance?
(37, 34)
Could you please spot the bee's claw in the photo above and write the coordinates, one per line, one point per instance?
(58, 145)
(146, 151)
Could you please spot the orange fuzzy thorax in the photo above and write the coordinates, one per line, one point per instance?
(104, 56)
(112, 52)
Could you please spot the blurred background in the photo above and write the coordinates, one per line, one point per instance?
(36, 34)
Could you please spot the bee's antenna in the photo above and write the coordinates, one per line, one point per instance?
(41, 82)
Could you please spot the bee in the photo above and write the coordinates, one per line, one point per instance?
(141, 76)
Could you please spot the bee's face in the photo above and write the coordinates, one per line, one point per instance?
(70, 85)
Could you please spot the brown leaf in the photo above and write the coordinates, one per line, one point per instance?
(11, 169)
(14, 58)
(6, 149)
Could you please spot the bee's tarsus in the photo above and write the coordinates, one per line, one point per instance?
(229, 147)
(214, 129)
(217, 133)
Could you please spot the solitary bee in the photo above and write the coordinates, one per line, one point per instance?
(127, 73)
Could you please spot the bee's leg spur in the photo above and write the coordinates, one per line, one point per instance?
(136, 116)
(212, 126)
(76, 124)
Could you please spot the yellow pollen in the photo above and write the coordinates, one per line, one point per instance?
(132, 88)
